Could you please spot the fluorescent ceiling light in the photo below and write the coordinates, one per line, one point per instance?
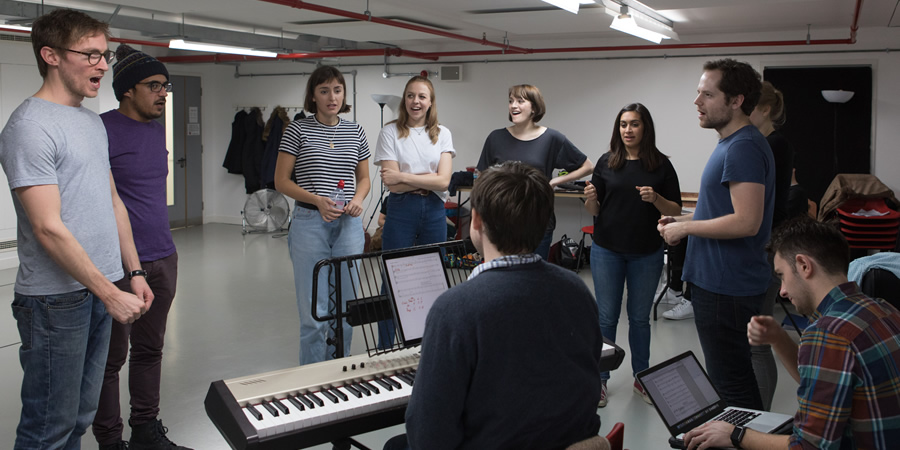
(16, 27)
(569, 5)
(180, 44)
(626, 24)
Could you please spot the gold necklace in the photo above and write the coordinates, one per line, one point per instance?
(333, 133)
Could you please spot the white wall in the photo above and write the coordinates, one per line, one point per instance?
(582, 97)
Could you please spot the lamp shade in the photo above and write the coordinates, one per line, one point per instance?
(837, 96)
(391, 101)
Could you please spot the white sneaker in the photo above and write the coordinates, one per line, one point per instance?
(670, 298)
(684, 310)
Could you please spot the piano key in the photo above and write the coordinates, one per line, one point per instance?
(407, 378)
(362, 388)
(254, 412)
(384, 384)
(391, 381)
(352, 389)
(312, 396)
(271, 409)
(369, 386)
(297, 404)
(329, 395)
(280, 406)
(306, 401)
(339, 394)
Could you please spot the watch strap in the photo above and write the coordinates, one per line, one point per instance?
(737, 436)
(137, 273)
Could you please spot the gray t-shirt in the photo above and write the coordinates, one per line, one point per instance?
(45, 143)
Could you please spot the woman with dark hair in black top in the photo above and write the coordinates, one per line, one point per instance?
(632, 186)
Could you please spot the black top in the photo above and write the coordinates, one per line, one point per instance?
(627, 224)
(551, 150)
(784, 164)
(510, 359)
(798, 202)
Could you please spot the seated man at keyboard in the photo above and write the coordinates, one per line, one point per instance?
(847, 361)
(509, 357)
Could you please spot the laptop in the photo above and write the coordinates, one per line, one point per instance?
(685, 398)
(415, 279)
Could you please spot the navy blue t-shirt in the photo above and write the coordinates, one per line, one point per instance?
(736, 267)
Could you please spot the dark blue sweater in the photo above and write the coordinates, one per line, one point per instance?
(509, 360)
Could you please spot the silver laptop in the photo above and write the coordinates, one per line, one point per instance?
(685, 398)
(415, 279)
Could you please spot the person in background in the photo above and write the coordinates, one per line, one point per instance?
(74, 235)
(139, 161)
(768, 116)
(415, 153)
(321, 151)
(848, 360)
(798, 199)
(726, 265)
(631, 187)
(543, 148)
(499, 367)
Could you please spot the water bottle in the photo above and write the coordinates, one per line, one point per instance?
(337, 196)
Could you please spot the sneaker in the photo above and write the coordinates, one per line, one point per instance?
(121, 445)
(682, 311)
(603, 396)
(152, 436)
(639, 390)
(670, 298)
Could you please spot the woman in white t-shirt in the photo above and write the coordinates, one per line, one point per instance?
(414, 153)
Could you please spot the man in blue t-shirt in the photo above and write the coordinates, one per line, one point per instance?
(726, 267)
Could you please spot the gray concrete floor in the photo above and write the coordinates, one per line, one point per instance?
(235, 315)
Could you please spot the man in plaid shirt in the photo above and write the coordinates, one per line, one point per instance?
(847, 362)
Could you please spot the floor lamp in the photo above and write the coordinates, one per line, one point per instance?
(391, 101)
(835, 98)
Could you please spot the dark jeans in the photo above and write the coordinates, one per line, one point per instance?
(721, 322)
(145, 365)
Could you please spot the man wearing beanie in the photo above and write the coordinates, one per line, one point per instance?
(139, 162)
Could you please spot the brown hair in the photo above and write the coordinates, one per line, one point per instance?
(533, 95)
(651, 157)
(61, 29)
(515, 202)
(431, 119)
(821, 242)
(322, 75)
(774, 99)
(738, 78)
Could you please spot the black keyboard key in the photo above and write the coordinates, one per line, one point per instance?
(254, 411)
(364, 389)
(370, 387)
(329, 395)
(392, 382)
(306, 401)
(353, 390)
(270, 409)
(296, 403)
(339, 394)
(406, 378)
(277, 403)
(384, 384)
(315, 399)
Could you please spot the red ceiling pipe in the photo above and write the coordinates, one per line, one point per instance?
(299, 4)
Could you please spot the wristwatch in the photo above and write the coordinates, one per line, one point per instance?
(137, 273)
(737, 436)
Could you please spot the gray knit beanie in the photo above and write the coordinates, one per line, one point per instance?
(131, 67)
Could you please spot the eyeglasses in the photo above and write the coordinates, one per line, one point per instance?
(94, 57)
(155, 86)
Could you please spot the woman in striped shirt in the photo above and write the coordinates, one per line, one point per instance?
(321, 151)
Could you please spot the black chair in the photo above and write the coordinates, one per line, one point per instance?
(881, 283)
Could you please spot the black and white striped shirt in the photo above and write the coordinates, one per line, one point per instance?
(319, 167)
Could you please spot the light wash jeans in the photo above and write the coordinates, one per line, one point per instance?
(311, 239)
(611, 272)
(65, 338)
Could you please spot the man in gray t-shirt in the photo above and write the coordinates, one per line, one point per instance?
(74, 235)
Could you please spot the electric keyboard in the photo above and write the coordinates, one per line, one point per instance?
(313, 404)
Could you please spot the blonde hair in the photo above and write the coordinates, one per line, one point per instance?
(774, 99)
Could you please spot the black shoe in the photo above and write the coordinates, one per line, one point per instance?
(152, 436)
(121, 445)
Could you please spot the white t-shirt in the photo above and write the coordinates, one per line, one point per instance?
(415, 153)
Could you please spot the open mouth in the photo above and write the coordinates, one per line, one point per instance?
(95, 81)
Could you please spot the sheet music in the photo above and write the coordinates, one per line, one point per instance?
(416, 282)
(676, 396)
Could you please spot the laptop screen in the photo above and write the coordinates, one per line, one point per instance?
(681, 392)
(416, 278)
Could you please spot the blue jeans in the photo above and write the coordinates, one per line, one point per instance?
(721, 322)
(65, 338)
(311, 239)
(611, 272)
(412, 220)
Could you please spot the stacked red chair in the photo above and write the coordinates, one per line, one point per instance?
(863, 229)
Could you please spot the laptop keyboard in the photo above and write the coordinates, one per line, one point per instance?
(737, 417)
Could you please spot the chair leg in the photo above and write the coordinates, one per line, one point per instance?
(580, 254)
(666, 287)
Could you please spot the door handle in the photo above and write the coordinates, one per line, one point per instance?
(181, 162)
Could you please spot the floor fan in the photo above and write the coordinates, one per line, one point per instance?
(265, 211)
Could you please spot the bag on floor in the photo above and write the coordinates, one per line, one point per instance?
(565, 252)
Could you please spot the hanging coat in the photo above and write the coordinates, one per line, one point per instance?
(275, 127)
